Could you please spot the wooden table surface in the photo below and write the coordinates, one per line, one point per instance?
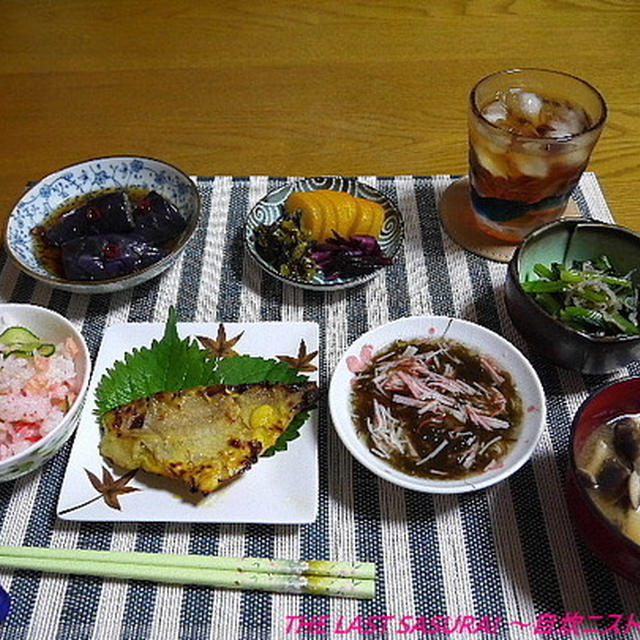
(285, 88)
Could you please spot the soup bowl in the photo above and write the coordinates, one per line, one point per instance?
(476, 339)
(605, 540)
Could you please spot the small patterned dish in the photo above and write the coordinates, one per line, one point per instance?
(271, 207)
(68, 184)
(52, 327)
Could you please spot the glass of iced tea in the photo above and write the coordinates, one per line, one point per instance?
(531, 132)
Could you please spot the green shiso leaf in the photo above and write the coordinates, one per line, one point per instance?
(291, 433)
(250, 369)
(171, 364)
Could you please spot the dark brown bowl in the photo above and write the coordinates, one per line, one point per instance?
(603, 538)
(563, 241)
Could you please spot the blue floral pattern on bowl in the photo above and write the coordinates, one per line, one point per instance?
(271, 207)
(69, 184)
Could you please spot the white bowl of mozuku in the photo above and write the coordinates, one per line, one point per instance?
(477, 340)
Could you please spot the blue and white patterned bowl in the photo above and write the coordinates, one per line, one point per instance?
(50, 327)
(63, 186)
(271, 207)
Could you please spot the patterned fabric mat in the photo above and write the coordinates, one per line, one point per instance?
(508, 554)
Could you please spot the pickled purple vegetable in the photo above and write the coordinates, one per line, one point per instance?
(157, 220)
(108, 213)
(107, 256)
(357, 255)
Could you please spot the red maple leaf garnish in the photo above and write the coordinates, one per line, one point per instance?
(221, 347)
(303, 362)
(108, 489)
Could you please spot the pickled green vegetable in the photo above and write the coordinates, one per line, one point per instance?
(286, 247)
(589, 296)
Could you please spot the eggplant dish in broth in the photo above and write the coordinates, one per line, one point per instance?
(435, 408)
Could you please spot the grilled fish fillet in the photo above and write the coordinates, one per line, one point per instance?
(204, 436)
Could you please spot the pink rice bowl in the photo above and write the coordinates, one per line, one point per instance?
(35, 394)
(40, 397)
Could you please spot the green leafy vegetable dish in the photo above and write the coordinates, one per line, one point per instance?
(589, 296)
(161, 407)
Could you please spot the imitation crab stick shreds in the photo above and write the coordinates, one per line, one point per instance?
(324, 211)
(435, 408)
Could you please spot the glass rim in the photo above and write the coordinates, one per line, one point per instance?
(573, 136)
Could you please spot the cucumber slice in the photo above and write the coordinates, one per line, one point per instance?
(21, 352)
(14, 335)
(22, 347)
(46, 349)
(29, 350)
(25, 343)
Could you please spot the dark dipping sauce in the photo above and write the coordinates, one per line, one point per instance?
(436, 409)
(108, 233)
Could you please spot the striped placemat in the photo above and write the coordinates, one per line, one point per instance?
(504, 558)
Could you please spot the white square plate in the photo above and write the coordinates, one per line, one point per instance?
(282, 489)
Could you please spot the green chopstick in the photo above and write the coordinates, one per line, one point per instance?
(346, 579)
(364, 570)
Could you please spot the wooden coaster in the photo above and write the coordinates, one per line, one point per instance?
(459, 222)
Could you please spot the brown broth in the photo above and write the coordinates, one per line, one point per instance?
(425, 432)
(598, 448)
